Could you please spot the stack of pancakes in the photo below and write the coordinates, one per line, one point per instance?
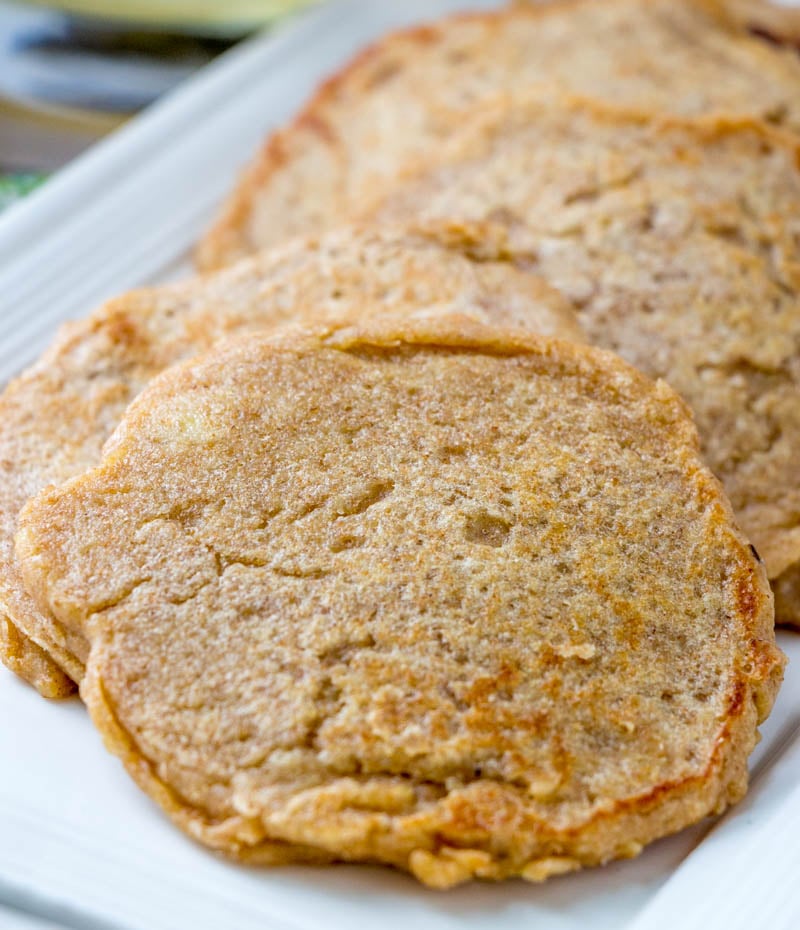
(433, 525)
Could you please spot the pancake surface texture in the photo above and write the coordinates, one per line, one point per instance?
(678, 243)
(55, 418)
(673, 56)
(433, 594)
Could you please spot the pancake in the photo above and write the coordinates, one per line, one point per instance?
(777, 23)
(457, 599)
(55, 418)
(678, 243)
(406, 95)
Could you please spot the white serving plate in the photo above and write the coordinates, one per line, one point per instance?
(79, 844)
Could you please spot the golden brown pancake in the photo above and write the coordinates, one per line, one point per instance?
(678, 243)
(55, 418)
(408, 93)
(779, 23)
(454, 598)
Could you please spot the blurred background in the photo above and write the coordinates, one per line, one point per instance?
(73, 70)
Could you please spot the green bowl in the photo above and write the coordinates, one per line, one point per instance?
(229, 17)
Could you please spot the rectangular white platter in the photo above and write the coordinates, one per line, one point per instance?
(79, 845)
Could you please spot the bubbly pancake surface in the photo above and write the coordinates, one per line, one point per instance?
(434, 594)
(407, 94)
(55, 418)
(677, 241)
